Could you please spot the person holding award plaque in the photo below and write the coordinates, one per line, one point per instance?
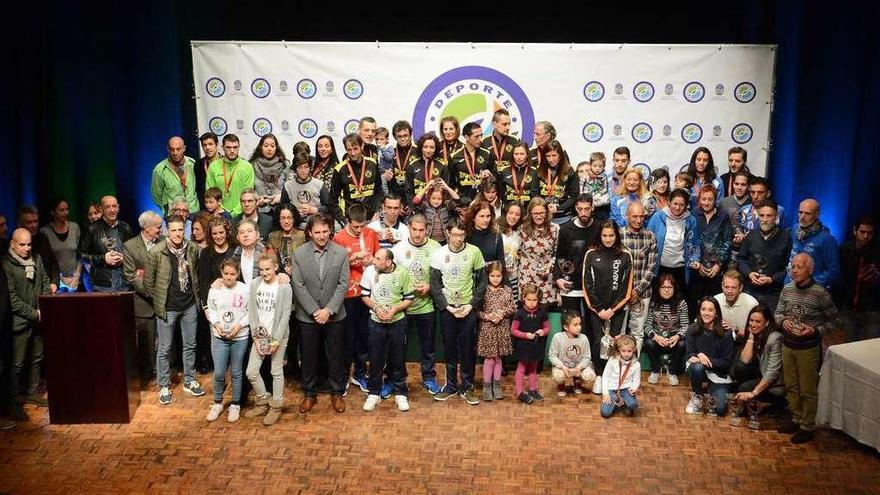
(458, 285)
(227, 314)
(709, 351)
(665, 329)
(757, 369)
(269, 307)
(764, 255)
(715, 235)
(621, 379)
(575, 237)
(102, 247)
(608, 286)
(806, 313)
(302, 191)
(387, 289)
(271, 169)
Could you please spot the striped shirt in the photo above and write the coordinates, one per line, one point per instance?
(811, 305)
(666, 321)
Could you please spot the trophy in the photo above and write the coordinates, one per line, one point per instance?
(754, 408)
(664, 323)
(796, 313)
(736, 408)
(760, 264)
(607, 341)
(708, 404)
(109, 243)
(270, 180)
(457, 297)
(227, 318)
(710, 258)
(567, 268)
(263, 341)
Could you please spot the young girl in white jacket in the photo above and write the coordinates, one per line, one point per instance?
(621, 378)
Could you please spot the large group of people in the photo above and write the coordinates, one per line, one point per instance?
(318, 266)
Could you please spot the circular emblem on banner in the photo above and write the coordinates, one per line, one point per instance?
(643, 91)
(306, 88)
(594, 91)
(351, 126)
(353, 89)
(308, 128)
(694, 91)
(691, 133)
(642, 132)
(744, 92)
(593, 132)
(218, 125)
(741, 133)
(215, 87)
(644, 169)
(262, 126)
(473, 94)
(260, 87)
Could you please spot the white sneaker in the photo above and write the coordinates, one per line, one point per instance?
(234, 412)
(653, 378)
(371, 402)
(214, 412)
(402, 402)
(694, 404)
(597, 385)
(673, 379)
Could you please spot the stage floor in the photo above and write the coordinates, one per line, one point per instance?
(559, 446)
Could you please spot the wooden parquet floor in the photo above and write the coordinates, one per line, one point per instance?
(560, 446)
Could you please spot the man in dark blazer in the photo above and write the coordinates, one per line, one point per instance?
(134, 261)
(320, 281)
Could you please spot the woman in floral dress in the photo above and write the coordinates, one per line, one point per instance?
(537, 251)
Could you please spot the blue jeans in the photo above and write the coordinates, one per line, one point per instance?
(427, 330)
(629, 401)
(697, 373)
(228, 354)
(164, 329)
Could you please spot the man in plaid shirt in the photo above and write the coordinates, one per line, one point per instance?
(643, 246)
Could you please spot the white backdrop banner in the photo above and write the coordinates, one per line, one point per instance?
(662, 101)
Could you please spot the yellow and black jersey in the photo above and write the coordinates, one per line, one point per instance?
(355, 182)
(403, 158)
(501, 149)
(420, 174)
(465, 169)
(536, 155)
(447, 149)
(517, 183)
(561, 190)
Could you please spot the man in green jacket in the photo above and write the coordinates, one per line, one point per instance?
(171, 277)
(27, 281)
(174, 177)
(231, 174)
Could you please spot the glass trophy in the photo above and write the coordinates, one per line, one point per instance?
(109, 243)
(709, 404)
(567, 268)
(760, 264)
(270, 180)
(263, 341)
(227, 319)
(736, 409)
(754, 408)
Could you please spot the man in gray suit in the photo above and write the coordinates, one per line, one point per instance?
(320, 281)
(134, 262)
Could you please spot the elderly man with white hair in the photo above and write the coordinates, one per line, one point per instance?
(135, 257)
(805, 313)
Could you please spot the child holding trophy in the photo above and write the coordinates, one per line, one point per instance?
(621, 378)
(269, 313)
(227, 313)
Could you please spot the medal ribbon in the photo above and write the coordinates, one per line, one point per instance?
(358, 184)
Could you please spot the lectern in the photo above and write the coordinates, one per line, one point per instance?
(90, 357)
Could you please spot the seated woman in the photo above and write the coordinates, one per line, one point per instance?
(665, 329)
(709, 351)
(757, 370)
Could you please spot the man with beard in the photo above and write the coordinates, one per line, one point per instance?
(575, 237)
(764, 255)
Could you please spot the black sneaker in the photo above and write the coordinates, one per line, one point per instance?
(525, 398)
(536, 395)
(802, 436)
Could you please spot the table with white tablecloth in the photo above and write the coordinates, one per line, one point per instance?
(849, 390)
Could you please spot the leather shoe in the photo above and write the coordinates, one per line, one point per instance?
(338, 403)
(307, 404)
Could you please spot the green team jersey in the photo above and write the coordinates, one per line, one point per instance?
(417, 260)
(231, 179)
(458, 270)
(387, 289)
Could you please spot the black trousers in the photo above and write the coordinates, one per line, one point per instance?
(597, 325)
(333, 348)
(655, 354)
(145, 329)
(388, 352)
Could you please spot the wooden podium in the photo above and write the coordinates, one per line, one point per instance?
(90, 355)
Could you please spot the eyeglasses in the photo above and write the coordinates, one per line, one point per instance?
(667, 287)
(538, 213)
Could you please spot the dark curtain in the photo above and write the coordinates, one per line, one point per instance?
(94, 93)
